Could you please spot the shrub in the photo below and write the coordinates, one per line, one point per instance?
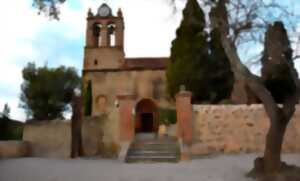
(167, 116)
(10, 130)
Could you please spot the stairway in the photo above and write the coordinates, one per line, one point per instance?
(147, 148)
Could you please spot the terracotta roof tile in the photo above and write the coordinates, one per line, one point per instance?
(146, 63)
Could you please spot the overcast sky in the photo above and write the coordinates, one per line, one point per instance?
(26, 37)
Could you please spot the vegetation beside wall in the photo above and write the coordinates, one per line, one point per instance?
(47, 92)
(10, 129)
(198, 60)
(167, 116)
(88, 100)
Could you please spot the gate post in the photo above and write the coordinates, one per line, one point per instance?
(126, 123)
(184, 112)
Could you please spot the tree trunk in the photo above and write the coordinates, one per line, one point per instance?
(274, 141)
(279, 117)
(76, 143)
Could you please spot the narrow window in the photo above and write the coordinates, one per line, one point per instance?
(97, 35)
(112, 36)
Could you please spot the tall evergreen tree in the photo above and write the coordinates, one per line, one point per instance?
(221, 76)
(196, 62)
(88, 100)
(275, 61)
(188, 54)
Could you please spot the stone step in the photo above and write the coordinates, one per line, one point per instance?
(152, 136)
(153, 143)
(153, 150)
(151, 153)
(145, 136)
(154, 147)
(151, 157)
(143, 159)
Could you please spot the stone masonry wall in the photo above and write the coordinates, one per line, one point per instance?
(236, 129)
(14, 149)
(53, 138)
(138, 83)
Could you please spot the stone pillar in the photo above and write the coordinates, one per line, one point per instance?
(120, 32)
(104, 37)
(126, 124)
(184, 122)
(91, 40)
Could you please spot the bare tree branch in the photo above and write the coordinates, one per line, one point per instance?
(296, 57)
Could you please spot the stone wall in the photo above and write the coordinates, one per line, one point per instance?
(106, 86)
(14, 149)
(53, 138)
(103, 58)
(216, 129)
(237, 128)
(48, 139)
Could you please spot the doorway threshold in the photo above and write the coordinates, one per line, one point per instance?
(145, 136)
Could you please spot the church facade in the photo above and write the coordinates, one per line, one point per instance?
(130, 92)
(114, 77)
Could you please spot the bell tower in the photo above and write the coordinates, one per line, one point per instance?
(104, 47)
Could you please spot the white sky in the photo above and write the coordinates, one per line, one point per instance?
(149, 29)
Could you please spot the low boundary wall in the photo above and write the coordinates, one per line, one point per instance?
(237, 128)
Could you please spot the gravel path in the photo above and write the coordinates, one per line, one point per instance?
(217, 168)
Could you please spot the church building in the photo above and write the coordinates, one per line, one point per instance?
(114, 77)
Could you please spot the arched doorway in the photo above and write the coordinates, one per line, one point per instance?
(146, 119)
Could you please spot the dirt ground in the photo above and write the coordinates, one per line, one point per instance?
(214, 168)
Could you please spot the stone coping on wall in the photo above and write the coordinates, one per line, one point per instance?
(54, 121)
(196, 107)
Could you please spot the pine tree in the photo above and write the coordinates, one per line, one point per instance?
(221, 76)
(188, 54)
(196, 62)
(275, 61)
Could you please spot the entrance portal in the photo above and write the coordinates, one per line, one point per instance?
(146, 120)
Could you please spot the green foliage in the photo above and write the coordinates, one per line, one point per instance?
(226, 102)
(10, 130)
(197, 63)
(221, 76)
(167, 116)
(49, 7)
(5, 112)
(188, 51)
(280, 84)
(276, 61)
(46, 92)
(88, 100)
